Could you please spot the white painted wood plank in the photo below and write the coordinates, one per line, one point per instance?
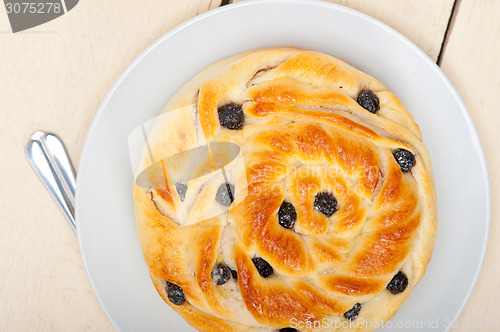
(472, 63)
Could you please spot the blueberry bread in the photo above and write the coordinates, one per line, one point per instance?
(327, 215)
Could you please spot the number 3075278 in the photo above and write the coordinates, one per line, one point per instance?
(33, 7)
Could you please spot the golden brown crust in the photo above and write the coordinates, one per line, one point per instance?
(304, 133)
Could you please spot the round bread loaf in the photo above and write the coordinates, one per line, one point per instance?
(318, 214)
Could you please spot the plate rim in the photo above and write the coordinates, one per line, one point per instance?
(476, 140)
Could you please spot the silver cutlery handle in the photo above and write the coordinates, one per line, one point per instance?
(50, 161)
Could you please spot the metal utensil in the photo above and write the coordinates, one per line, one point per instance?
(50, 161)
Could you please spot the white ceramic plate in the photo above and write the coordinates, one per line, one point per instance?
(105, 217)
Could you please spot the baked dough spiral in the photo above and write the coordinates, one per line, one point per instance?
(337, 218)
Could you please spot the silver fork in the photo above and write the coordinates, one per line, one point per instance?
(50, 161)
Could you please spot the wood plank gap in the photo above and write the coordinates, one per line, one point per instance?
(225, 2)
(449, 28)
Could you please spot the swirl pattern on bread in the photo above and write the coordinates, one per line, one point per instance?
(334, 223)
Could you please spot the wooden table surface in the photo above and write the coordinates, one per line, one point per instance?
(54, 77)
